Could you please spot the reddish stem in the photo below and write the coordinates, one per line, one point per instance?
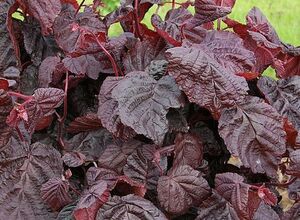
(81, 4)
(19, 95)
(284, 185)
(136, 19)
(112, 60)
(173, 4)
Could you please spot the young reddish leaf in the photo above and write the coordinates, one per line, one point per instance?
(47, 69)
(74, 159)
(188, 150)
(6, 107)
(283, 95)
(92, 199)
(204, 81)
(44, 11)
(171, 28)
(73, 34)
(90, 144)
(4, 84)
(143, 52)
(43, 123)
(129, 207)
(115, 155)
(108, 110)
(98, 174)
(141, 168)
(24, 169)
(140, 98)
(253, 131)
(186, 185)
(88, 122)
(85, 64)
(8, 55)
(209, 10)
(55, 192)
(267, 196)
(216, 207)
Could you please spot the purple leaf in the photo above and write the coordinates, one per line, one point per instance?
(283, 95)
(140, 98)
(88, 122)
(24, 169)
(115, 155)
(108, 111)
(6, 107)
(204, 81)
(129, 207)
(92, 199)
(74, 159)
(186, 185)
(98, 174)
(44, 11)
(253, 131)
(55, 193)
(188, 150)
(47, 69)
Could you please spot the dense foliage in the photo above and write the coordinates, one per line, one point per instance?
(144, 125)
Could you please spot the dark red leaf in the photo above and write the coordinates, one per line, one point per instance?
(108, 111)
(184, 184)
(188, 150)
(44, 11)
(55, 193)
(267, 196)
(47, 69)
(216, 207)
(115, 155)
(24, 169)
(210, 10)
(74, 159)
(204, 81)
(90, 144)
(171, 28)
(4, 84)
(129, 207)
(283, 95)
(85, 64)
(88, 122)
(253, 131)
(98, 174)
(141, 55)
(91, 201)
(73, 34)
(44, 123)
(140, 98)
(141, 168)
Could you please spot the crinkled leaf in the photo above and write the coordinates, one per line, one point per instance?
(141, 168)
(47, 69)
(55, 192)
(253, 131)
(204, 81)
(209, 10)
(171, 28)
(108, 111)
(181, 189)
(91, 144)
(143, 103)
(157, 68)
(74, 159)
(73, 34)
(98, 174)
(283, 95)
(229, 51)
(85, 64)
(115, 155)
(216, 207)
(24, 169)
(92, 199)
(143, 52)
(129, 207)
(44, 11)
(88, 122)
(188, 150)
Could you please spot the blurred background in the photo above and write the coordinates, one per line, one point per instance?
(283, 15)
